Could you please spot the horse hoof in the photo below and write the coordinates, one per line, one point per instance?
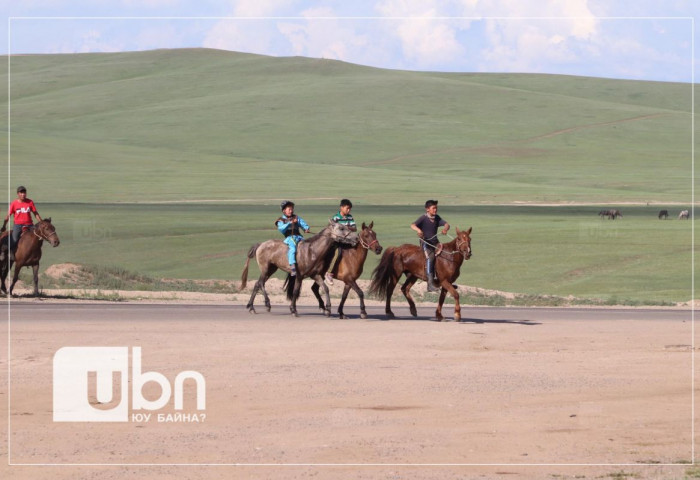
(414, 312)
(251, 310)
(363, 316)
(342, 316)
(327, 313)
(268, 309)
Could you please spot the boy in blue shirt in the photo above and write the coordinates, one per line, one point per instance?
(290, 226)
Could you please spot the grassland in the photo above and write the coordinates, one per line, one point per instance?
(172, 163)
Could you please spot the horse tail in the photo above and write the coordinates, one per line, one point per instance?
(244, 275)
(382, 275)
(288, 286)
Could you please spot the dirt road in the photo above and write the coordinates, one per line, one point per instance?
(516, 393)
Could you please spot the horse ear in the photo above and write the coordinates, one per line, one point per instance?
(469, 232)
(364, 227)
(371, 224)
(48, 219)
(457, 228)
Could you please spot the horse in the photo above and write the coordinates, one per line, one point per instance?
(312, 261)
(28, 252)
(410, 260)
(611, 214)
(685, 214)
(663, 214)
(350, 268)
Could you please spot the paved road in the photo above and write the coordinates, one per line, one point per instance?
(40, 310)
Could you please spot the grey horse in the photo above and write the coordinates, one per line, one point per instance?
(313, 256)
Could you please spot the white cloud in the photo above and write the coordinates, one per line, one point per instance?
(261, 8)
(428, 43)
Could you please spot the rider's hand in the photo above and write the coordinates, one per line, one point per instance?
(420, 234)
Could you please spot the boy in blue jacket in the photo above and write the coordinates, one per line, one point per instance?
(290, 225)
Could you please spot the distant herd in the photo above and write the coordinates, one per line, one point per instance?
(613, 213)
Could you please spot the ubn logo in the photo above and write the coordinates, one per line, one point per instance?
(72, 368)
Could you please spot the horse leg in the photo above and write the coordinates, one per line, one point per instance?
(35, 269)
(4, 268)
(297, 291)
(441, 300)
(268, 305)
(389, 292)
(356, 288)
(406, 290)
(447, 287)
(346, 290)
(315, 289)
(15, 277)
(320, 283)
(258, 285)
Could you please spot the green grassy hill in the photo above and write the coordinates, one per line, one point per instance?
(207, 124)
(172, 162)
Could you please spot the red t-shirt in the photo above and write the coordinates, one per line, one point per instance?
(22, 211)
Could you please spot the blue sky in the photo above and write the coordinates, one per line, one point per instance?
(635, 39)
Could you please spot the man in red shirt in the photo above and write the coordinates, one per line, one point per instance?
(22, 209)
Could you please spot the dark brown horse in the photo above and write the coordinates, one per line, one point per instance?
(410, 260)
(350, 268)
(28, 252)
(312, 261)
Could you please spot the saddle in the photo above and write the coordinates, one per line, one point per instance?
(6, 233)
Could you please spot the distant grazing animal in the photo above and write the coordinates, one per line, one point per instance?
(28, 252)
(684, 215)
(611, 214)
(663, 214)
(410, 260)
(312, 261)
(350, 268)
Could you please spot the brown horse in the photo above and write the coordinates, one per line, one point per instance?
(312, 261)
(350, 268)
(28, 252)
(410, 260)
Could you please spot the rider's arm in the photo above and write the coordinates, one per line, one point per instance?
(282, 226)
(417, 230)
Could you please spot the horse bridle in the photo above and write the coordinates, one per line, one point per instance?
(43, 238)
(459, 248)
(367, 245)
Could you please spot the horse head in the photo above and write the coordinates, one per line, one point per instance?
(341, 233)
(464, 242)
(368, 239)
(46, 231)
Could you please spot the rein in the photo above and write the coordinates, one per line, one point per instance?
(456, 252)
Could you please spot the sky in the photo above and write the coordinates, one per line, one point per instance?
(629, 39)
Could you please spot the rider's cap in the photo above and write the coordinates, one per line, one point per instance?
(286, 204)
(430, 203)
(21, 189)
